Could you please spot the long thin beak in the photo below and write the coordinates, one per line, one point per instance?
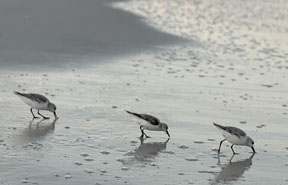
(253, 149)
(167, 133)
(55, 115)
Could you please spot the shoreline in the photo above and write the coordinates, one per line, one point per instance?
(55, 33)
(236, 79)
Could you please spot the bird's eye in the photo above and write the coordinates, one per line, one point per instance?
(252, 143)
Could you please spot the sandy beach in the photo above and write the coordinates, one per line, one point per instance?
(190, 63)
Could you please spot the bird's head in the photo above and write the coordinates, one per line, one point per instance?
(250, 143)
(52, 108)
(164, 127)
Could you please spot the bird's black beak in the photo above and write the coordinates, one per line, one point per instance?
(253, 149)
(56, 117)
(167, 133)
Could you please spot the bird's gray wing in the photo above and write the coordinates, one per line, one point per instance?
(151, 119)
(235, 131)
(36, 97)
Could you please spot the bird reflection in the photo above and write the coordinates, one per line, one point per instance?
(38, 130)
(146, 151)
(35, 132)
(28, 138)
(41, 125)
(233, 170)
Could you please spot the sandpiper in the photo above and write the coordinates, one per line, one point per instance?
(37, 101)
(149, 123)
(235, 136)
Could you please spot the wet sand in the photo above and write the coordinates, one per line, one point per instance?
(187, 86)
(59, 33)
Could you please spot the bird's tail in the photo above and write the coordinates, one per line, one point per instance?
(132, 113)
(18, 93)
(218, 126)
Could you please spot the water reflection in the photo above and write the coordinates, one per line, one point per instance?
(37, 130)
(233, 170)
(41, 127)
(145, 152)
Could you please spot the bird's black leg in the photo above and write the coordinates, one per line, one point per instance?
(253, 150)
(146, 135)
(232, 149)
(44, 117)
(33, 113)
(230, 161)
(220, 145)
(143, 133)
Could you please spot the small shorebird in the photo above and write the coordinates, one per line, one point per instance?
(150, 123)
(37, 101)
(235, 136)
